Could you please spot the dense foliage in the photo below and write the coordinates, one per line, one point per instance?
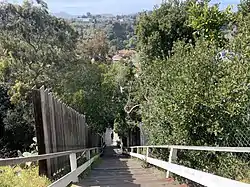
(188, 84)
(17, 176)
(157, 31)
(40, 49)
(197, 93)
(119, 29)
(36, 49)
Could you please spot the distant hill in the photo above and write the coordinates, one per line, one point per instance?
(107, 15)
(64, 15)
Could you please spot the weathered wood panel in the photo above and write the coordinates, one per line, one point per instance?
(59, 128)
(39, 130)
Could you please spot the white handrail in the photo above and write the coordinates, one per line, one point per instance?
(19, 160)
(67, 179)
(200, 177)
(70, 177)
(201, 148)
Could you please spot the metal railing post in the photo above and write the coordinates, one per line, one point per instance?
(172, 158)
(73, 166)
(138, 150)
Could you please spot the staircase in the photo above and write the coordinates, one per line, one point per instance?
(118, 170)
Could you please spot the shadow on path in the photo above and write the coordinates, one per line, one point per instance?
(113, 171)
(118, 170)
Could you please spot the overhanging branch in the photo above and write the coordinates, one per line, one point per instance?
(128, 112)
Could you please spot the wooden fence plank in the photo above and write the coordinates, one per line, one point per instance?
(59, 128)
(39, 130)
(45, 130)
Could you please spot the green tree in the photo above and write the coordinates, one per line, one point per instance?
(93, 89)
(195, 98)
(244, 7)
(199, 94)
(37, 44)
(157, 31)
(209, 21)
(36, 49)
(94, 46)
(5, 105)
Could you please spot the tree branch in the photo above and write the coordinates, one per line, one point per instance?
(128, 112)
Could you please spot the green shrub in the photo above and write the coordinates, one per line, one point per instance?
(197, 98)
(18, 177)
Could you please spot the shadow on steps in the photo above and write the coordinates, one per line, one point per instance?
(118, 170)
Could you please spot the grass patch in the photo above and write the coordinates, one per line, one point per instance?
(18, 177)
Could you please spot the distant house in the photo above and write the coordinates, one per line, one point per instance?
(116, 58)
(126, 53)
(84, 19)
(123, 54)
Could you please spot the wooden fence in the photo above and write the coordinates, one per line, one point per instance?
(59, 128)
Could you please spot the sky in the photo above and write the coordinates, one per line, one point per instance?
(79, 7)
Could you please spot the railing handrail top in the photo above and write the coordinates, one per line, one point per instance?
(19, 160)
(200, 148)
(201, 177)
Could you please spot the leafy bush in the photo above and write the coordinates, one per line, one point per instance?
(195, 98)
(19, 177)
(196, 92)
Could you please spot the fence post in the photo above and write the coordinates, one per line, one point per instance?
(88, 157)
(88, 154)
(39, 130)
(172, 158)
(45, 130)
(138, 150)
(73, 165)
(147, 153)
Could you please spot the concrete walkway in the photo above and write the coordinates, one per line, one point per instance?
(118, 170)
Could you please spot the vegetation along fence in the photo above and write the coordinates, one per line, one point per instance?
(59, 128)
(76, 169)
